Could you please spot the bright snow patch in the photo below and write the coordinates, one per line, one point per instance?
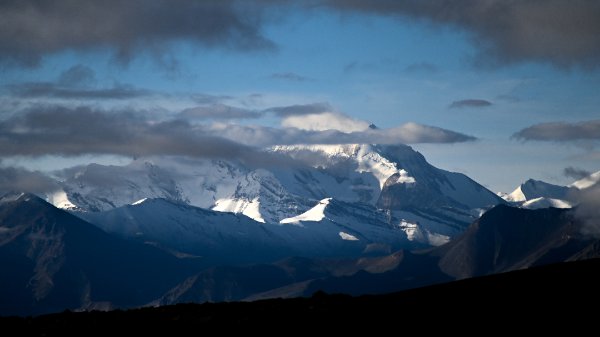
(546, 203)
(349, 237)
(404, 178)
(516, 195)
(316, 213)
(250, 208)
(60, 200)
(411, 229)
(140, 201)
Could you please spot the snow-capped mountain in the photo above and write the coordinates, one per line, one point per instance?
(429, 204)
(534, 194)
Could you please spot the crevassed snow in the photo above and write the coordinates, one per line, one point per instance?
(348, 237)
(316, 213)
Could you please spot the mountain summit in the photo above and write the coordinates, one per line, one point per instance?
(395, 179)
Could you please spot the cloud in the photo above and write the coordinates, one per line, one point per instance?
(219, 111)
(561, 132)
(31, 29)
(563, 33)
(78, 75)
(409, 133)
(63, 131)
(14, 179)
(588, 210)
(325, 121)
(56, 90)
(289, 76)
(75, 83)
(470, 103)
(576, 173)
(210, 99)
(301, 109)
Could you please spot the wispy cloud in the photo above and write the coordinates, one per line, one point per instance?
(289, 76)
(576, 173)
(76, 83)
(301, 109)
(15, 179)
(219, 111)
(470, 103)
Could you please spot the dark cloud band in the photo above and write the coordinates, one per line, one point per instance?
(30, 29)
(470, 103)
(561, 132)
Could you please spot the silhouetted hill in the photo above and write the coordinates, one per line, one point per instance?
(541, 297)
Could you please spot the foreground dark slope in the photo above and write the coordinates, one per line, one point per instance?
(52, 260)
(556, 293)
(503, 239)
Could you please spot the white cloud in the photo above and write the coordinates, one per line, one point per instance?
(325, 121)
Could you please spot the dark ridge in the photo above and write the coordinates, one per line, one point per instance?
(541, 297)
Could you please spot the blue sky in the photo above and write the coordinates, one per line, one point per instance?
(389, 64)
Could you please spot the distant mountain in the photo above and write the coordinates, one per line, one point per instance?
(431, 204)
(503, 239)
(534, 189)
(534, 194)
(52, 260)
(329, 229)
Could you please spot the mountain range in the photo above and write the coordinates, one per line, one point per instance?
(342, 218)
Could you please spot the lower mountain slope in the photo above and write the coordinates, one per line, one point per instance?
(52, 261)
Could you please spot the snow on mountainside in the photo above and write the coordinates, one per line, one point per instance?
(226, 237)
(532, 189)
(438, 204)
(534, 194)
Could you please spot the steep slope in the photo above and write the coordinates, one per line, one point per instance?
(393, 178)
(52, 260)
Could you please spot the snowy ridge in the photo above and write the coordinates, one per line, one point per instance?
(389, 178)
(316, 213)
(542, 202)
(225, 236)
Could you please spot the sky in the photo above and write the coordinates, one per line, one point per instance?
(502, 91)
